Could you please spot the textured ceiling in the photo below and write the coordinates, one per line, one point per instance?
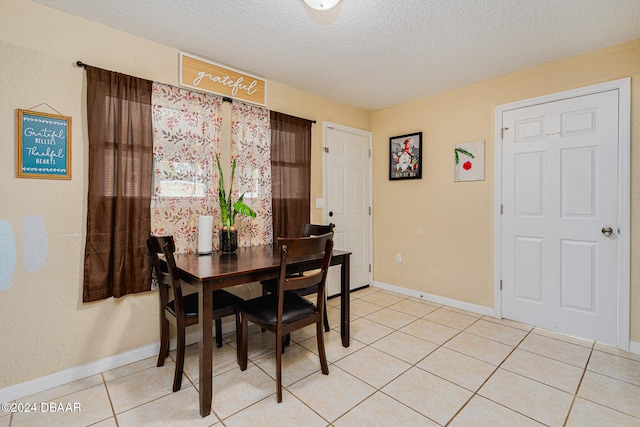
(372, 53)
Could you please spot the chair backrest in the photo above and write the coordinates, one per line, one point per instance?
(294, 250)
(316, 229)
(168, 278)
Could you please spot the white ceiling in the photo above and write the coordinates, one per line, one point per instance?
(372, 53)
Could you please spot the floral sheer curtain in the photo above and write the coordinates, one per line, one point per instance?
(186, 137)
(251, 147)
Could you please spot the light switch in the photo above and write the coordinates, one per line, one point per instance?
(319, 202)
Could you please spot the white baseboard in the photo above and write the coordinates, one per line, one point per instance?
(634, 347)
(76, 373)
(474, 308)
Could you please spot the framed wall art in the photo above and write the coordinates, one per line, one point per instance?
(405, 156)
(43, 145)
(469, 161)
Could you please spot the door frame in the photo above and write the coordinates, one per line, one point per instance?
(325, 144)
(623, 86)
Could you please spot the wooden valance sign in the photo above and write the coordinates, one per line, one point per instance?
(44, 145)
(206, 76)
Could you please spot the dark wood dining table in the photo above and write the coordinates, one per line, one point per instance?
(249, 264)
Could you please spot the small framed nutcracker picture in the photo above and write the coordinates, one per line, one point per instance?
(405, 156)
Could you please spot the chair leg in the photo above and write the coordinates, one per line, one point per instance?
(326, 320)
(177, 378)
(264, 292)
(286, 341)
(279, 347)
(321, 352)
(218, 333)
(238, 337)
(242, 348)
(164, 341)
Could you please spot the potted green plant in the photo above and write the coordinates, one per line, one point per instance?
(229, 210)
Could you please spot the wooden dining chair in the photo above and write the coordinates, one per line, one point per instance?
(182, 309)
(271, 285)
(284, 311)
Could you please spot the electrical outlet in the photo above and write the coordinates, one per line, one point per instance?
(399, 258)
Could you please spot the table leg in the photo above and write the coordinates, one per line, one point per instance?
(205, 305)
(345, 300)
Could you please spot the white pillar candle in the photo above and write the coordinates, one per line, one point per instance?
(205, 232)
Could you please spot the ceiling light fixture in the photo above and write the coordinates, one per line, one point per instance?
(321, 4)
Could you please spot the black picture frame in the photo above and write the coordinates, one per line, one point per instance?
(405, 156)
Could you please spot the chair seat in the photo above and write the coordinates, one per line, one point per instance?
(265, 308)
(222, 300)
(271, 286)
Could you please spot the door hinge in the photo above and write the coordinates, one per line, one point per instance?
(501, 209)
(369, 152)
(369, 210)
(502, 132)
(325, 149)
(369, 268)
(500, 284)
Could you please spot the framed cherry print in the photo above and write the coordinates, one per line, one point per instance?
(469, 161)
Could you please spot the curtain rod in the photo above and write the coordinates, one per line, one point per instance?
(224, 99)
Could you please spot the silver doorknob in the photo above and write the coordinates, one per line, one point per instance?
(607, 231)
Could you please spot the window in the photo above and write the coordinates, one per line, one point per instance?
(186, 129)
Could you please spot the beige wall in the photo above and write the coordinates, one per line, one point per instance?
(443, 229)
(45, 326)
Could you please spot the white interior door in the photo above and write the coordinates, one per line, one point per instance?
(347, 195)
(560, 220)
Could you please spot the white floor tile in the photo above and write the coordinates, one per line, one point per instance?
(267, 412)
(541, 402)
(381, 410)
(589, 414)
(177, 409)
(458, 368)
(410, 362)
(483, 412)
(332, 395)
(82, 408)
(545, 370)
(373, 366)
(610, 392)
(432, 396)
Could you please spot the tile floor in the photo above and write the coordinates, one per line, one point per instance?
(411, 363)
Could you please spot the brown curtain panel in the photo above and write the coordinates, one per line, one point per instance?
(119, 197)
(290, 174)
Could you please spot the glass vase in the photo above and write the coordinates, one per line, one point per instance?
(228, 240)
